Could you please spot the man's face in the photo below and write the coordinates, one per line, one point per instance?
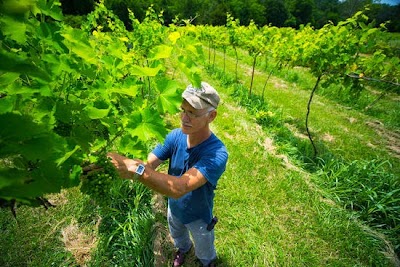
(193, 120)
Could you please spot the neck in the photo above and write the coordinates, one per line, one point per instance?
(197, 138)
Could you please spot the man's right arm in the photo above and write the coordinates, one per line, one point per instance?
(163, 183)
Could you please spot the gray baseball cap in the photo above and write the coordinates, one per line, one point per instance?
(201, 98)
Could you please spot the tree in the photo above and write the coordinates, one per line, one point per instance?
(350, 7)
(383, 13)
(248, 11)
(77, 7)
(276, 12)
(214, 12)
(326, 11)
(303, 11)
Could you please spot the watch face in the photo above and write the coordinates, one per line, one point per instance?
(140, 169)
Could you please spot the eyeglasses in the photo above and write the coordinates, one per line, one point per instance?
(192, 115)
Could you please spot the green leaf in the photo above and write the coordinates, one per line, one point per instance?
(45, 178)
(17, 8)
(7, 78)
(14, 29)
(10, 176)
(130, 90)
(77, 41)
(19, 128)
(12, 63)
(170, 97)
(174, 36)
(6, 104)
(51, 8)
(145, 71)
(96, 113)
(24, 137)
(160, 51)
(188, 67)
(67, 155)
(146, 125)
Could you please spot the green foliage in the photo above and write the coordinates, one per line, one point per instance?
(69, 92)
(25, 172)
(369, 189)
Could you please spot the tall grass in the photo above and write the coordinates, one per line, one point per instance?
(367, 188)
(126, 229)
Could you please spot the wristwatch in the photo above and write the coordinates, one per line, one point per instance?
(140, 169)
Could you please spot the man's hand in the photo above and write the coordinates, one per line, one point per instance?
(90, 170)
(126, 167)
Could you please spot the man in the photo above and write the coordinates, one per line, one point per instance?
(197, 159)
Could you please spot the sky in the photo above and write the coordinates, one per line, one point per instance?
(390, 2)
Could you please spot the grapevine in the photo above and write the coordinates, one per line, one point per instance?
(98, 181)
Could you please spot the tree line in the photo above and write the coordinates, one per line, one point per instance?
(280, 13)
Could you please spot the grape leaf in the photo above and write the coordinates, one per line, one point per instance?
(13, 63)
(14, 29)
(169, 98)
(66, 156)
(146, 125)
(145, 71)
(50, 8)
(96, 113)
(174, 36)
(160, 51)
(45, 178)
(77, 41)
(6, 104)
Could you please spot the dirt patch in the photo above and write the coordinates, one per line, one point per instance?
(295, 131)
(279, 84)
(352, 120)
(162, 245)
(268, 145)
(78, 243)
(392, 138)
(249, 71)
(58, 199)
(328, 138)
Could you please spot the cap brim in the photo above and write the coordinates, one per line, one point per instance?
(195, 101)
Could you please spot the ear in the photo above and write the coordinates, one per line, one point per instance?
(212, 116)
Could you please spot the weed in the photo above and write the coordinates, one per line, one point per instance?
(367, 188)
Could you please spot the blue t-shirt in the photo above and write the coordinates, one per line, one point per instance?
(209, 157)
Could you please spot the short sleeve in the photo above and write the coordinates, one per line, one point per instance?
(213, 164)
(164, 151)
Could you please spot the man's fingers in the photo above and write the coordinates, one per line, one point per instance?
(91, 172)
(91, 168)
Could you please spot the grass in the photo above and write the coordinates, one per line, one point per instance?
(272, 210)
(274, 216)
(330, 111)
(78, 232)
(37, 240)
